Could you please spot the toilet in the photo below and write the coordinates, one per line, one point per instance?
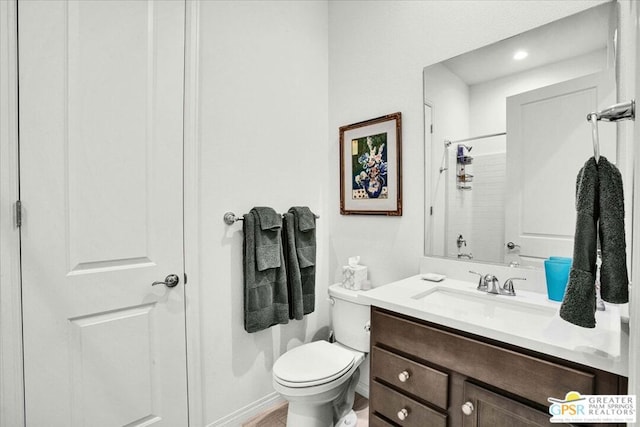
(318, 376)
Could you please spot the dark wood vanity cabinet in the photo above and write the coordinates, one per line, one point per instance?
(423, 374)
(493, 409)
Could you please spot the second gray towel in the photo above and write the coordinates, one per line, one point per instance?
(300, 243)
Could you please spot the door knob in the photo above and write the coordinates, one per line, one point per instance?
(511, 246)
(170, 281)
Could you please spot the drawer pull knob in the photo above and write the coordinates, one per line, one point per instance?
(403, 414)
(403, 376)
(467, 408)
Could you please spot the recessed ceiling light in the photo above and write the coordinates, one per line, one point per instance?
(519, 55)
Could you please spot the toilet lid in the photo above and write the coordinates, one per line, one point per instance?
(311, 364)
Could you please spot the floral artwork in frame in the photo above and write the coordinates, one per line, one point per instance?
(370, 167)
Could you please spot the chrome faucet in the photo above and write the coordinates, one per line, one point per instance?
(489, 279)
(482, 286)
(460, 241)
(495, 284)
(507, 288)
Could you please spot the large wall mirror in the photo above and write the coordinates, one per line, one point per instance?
(506, 134)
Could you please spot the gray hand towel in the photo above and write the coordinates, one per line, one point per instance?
(301, 260)
(579, 304)
(305, 235)
(306, 218)
(614, 280)
(265, 291)
(267, 238)
(294, 279)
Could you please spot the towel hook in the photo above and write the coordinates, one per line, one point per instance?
(593, 118)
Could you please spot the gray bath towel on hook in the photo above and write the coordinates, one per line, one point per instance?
(599, 205)
(300, 243)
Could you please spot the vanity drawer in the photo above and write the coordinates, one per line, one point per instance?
(389, 403)
(376, 421)
(427, 383)
(532, 378)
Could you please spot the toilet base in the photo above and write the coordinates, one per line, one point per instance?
(349, 420)
(302, 414)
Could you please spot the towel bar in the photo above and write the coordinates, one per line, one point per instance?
(230, 218)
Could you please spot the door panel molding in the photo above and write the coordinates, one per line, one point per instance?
(110, 265)
(94, 337)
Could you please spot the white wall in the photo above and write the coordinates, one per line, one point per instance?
(448, 96)
(377, 53)
(261, 135)
(268, 75)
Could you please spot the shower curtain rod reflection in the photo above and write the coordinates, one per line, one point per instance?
(448, 143)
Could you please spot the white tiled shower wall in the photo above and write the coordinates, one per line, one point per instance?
(478, 214)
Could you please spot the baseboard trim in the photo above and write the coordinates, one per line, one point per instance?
(242, 415)
(363, 389)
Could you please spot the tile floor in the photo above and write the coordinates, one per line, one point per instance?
(277, 416)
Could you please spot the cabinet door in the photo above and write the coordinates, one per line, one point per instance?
(493, 410)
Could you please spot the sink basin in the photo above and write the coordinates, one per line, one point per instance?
(523, 316)
(492, 310)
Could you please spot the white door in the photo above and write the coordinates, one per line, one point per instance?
(101, 95)
(548, 141)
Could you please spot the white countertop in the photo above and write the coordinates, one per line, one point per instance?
(604, 347)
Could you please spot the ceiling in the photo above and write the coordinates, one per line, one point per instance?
(569, 37)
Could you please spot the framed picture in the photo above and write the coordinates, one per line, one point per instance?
(370, 167)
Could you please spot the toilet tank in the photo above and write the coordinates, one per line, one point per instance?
(350, 318)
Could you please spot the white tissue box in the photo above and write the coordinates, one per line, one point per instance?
(352, 277)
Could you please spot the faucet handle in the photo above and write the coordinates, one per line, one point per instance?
(495, 284)
(482, 286)
(507, 288)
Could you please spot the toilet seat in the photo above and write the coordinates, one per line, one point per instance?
(312, 364)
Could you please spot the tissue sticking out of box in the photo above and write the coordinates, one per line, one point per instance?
(354, 274)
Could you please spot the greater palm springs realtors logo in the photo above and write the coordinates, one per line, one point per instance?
(593, 408)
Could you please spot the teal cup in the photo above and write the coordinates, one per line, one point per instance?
(561, 258)
(556, 270)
